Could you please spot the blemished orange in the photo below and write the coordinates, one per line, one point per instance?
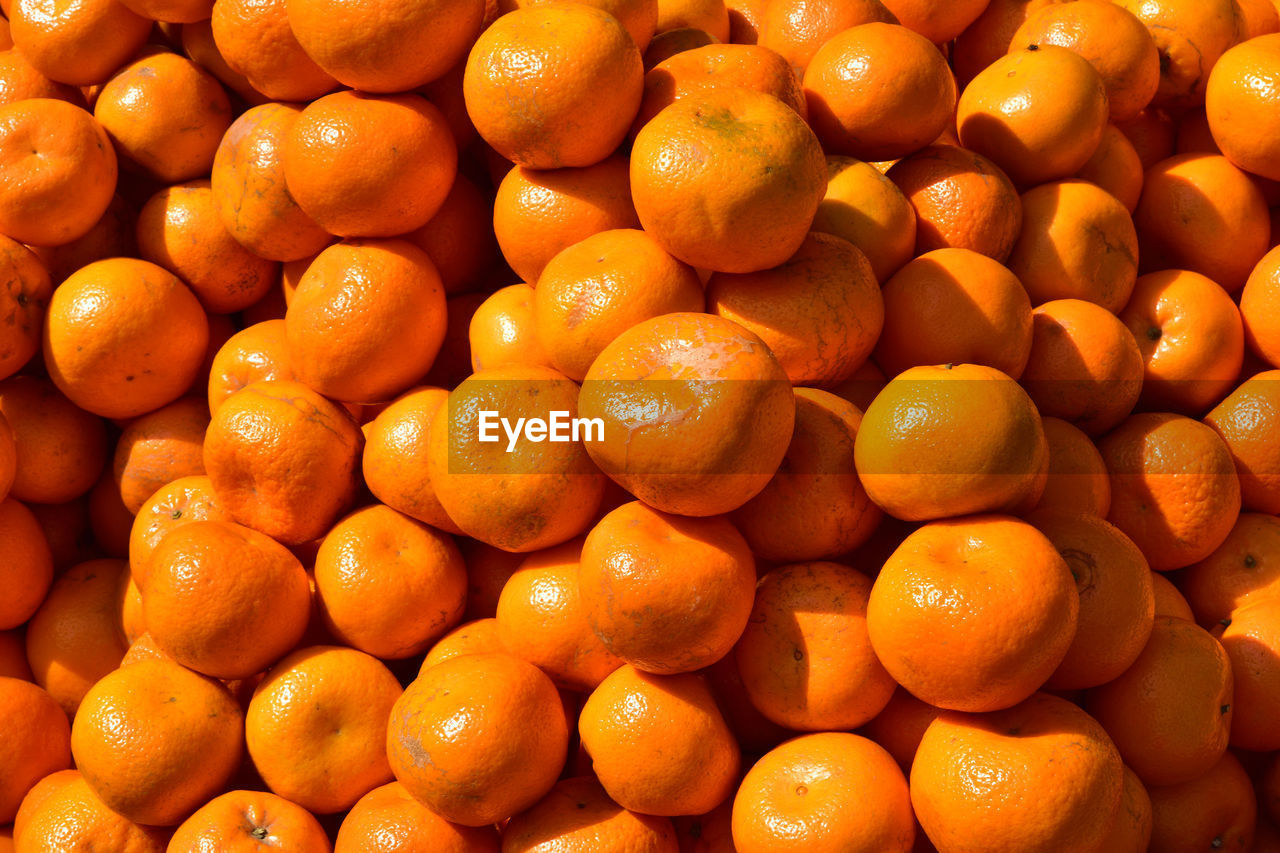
(1115, 167)
(249, 822)
(124, 337)
(961, 200)
(973, 614)
(76, 638)
(709, 16)
(1260, 308)
(1078, 478)
(27, 570)
(35, 743)
(256, 40)
(173, 505)
(1191, 37)
(1117, 604)
(666, 593)
(1174, 489)
(1117, 45)
(914, 468)
(71, 815)
(480, 635)
(738, 413)
(1169, 600)
(906, 94)
(805, 657)
(388, 585)
(59, 449)
(1170, 712)
(283, 459)
(554, 85)
(820, 312)
(257, 352)
(577, 816)
(1252, 642)
(176, 143)
(1038, 112)
(1199, 212)
(796, 29)
(1191, 337)
(867, 209)
(58, 171)
(1045, 760)
(503, 333)
(370, 165)
(1246, 419)
(901, 725)
(1216, 811)
(179, 228)
(79, 44)
(249, 187)
(1240, 111)
(388, 820)
(459, 238)
(394, 463)
(953, 306)
(158, 448)
(989, 36)
(478, 738)
(542, 618)
(538, 213)
(316, 728)
(598, 288)
(1243, 570)
(747, 208)
(658, 743)
(24, 296)
(815, 506)
(1085, 365)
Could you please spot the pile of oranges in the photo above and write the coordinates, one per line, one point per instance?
(640, 426)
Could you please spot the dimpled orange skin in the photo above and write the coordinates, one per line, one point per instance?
(174, 504)
(1252, 640)
(697, 413)
(257, 352)
(60, 448)
(480, 635)
(158, 448)
(577, 816)
(502, 332)
(155, 741)
(20, 80)
(867, 209)
(35, 742)
(805, 657)
(1246, 419)
(388, 820)
(25, 288)
(728, 180)
(1078, 479)
(1191, 37)
(827, 791)
(1044, 759)
(282, 459)
(395, 458)
(256, 40)
(1116, 168)
(796, 29)
(79, 43)
(658, 743)
(1260, 308)
(1217, 811)
(666, 593)
(70, 815)
(478, 738)
(249, 822)
(124, 337)
(1242, 571)
(1239, 103)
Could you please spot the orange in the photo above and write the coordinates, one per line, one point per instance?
(173, 144)
(503, 333)
(198, 44)
(577, 816)
(469, 638)
(173, 505)
(369, 165)
(257, 352)
(71, 816)
(937, 20)
(478, 738)
(598, 288)
(961, 200)
(1152, 135)
(1078, 479)
(58, 171)
(951, 440)
(1246, 419)
(392, 46)
(28, 564)
(1174, 491)
(256, 39)
(1115, 167)
(1170, 712)
(388, 820)
(387, 584)
(395, 458)
(1257, 18)
(282, 459)
(819, 312)
(109, 519)
(79, 43)
(905, 97)
(537, 213)
(67, 528)
(179, 229)
(1239, 106)
(488, 569)
(1116, 43)
(815, 506)
(366, 320)
(658, 744)
(754, 732)
(1191, 36)
(124, 337)
(36, 741)
(1199, 212)
(1216, 811)
(1038, 112)
(665, 593)
(225, 600)
(1044, 760)
(536, 494)
(1243, 570)
(554, 85)
(709, 16)
(24, 297)
(829, 791)
(1251, 641)
(1259, 302)
(249, 822)
(805, 657)
(76, 637)
(1085, 365)
(954, 305)
(172, 11)
(248, 184)
(797, 29)
(988, 38)
(13, 655)
(901, 725)
(132, 619)
(1191, 338)
(1131, 829)
(736, 413)
(155, 741)
(158, 448)
(867, 209)
(639, 17)
(746, 208)
(459, 238)
(542, 618)
(1169, 601)
(973, 614)
(1117, 604)
(668, 43)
